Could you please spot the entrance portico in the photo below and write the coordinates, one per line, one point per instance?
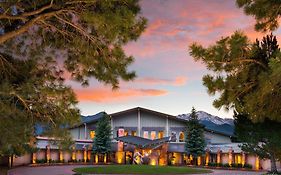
(142, 150)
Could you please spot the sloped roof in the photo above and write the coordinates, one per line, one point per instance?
(218, 129)
(224, 129)
(142, 142)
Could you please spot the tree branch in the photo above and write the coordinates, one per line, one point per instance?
(26, 26)
(241, 61)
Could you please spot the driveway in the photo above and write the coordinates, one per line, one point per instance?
(67, 170)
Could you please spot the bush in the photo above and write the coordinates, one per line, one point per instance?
(226, 165)
(212, 164)
(248, 166)
(236, 165)
(41, 161)
(219, 165)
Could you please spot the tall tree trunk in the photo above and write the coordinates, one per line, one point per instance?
(273, 163)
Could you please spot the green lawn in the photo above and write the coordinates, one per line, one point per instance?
(139, 169)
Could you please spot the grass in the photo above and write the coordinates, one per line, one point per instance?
(139, 169)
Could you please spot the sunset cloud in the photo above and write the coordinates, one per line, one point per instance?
(178, 81)
(101, 95)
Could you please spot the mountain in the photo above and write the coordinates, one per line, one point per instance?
(213, 123)
(206, 116)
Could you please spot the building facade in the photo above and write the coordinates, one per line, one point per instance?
(138, 133)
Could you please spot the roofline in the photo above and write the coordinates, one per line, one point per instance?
(163, 115)
(217, 132)
(147, 110)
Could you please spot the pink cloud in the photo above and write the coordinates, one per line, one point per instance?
(178, 81)
(107, 95)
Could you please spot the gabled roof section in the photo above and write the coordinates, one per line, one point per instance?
(143, 142)
(148, 111)
(226, 131)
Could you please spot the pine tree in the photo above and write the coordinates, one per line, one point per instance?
(245, 74)
(194, 136)
(102, 140)
(40, 43)
(266, 13)
(262, 139)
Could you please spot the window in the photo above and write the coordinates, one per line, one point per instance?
(153, 135)
(173, 136)
(181, 137)
(160, 134)
(120, 132)
(133, 133)
(145, 134)
(92, 134)
(125, 133)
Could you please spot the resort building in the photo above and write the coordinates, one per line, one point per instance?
(139, 133)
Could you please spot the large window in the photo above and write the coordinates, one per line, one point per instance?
(181, 137)
(92, 134)
(134, 133)
(120, 132)
(125, 133)
(145, 134)
(160, 134)
(153, 135)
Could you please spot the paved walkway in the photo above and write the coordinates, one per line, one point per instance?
(67, 170)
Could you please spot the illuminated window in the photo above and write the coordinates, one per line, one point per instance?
(153, 135)
(133, 133)
(92, 134)
(120, 132)
(125, 133)
(145, 134)
(181, 137)
(160, 134)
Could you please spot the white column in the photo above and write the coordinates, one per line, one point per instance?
(111, 123)
(85, 131)
(167, 126)
(139, 123)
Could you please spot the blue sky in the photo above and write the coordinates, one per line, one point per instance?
(169, 80)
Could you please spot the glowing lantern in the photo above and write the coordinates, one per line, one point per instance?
(243, 159)
(199, 160)
(104, 158)
(257, 164)
(33, 157)
(85, 155)
(230, 157)
(60, 155)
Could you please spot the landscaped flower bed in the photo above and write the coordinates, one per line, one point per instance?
(234, 165)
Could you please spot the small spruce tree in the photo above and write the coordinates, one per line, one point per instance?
(194, 136)
(102, 140)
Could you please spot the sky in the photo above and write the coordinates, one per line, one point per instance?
(168, 79)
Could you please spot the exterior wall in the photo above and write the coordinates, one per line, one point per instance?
(41, 154)
(66, 156)
(251, 160)
(22, 160)
(79, 155)
(265, 164)
(74, 133)
(224, 158)
(176, 123)
(216, 138)
(82, 132)
(54, 154)
(126, 120)
(151, 120)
